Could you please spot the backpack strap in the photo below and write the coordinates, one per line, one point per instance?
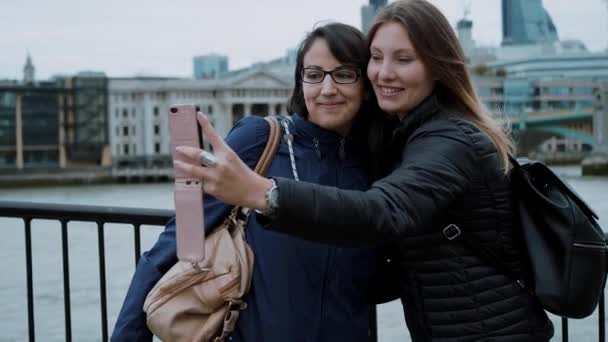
(452, 232)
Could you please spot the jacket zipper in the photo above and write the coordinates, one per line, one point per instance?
(342, 152)
(598, 246)
(317, 150)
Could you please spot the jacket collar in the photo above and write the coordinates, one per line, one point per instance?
(416, 117)
(326, 142)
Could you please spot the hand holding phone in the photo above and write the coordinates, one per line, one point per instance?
(188, 193)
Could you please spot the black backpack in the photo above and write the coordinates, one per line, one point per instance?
(565, 246)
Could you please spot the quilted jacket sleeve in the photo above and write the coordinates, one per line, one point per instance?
(247, 139)
(437, 166)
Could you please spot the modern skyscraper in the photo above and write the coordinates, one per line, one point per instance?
(209, 66)
(369, 11)
(526, 22)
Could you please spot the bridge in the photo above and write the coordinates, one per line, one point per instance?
(575, 133)
(576, 125)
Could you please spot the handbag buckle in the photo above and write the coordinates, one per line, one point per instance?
(451, 232)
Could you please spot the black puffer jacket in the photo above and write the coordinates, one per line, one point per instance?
(448, 172)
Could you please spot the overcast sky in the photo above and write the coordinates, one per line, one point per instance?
(159, 37)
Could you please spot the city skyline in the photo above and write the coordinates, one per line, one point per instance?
(137, 38)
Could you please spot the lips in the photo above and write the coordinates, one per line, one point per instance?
(388, 91)
(330, 104)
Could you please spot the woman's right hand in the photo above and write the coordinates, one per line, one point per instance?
(230, 180)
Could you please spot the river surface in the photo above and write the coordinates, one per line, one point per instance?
(84, 269)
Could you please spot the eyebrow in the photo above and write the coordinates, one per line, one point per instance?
(408, 51)
(340, 67)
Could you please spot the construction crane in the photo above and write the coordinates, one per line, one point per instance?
(606, 2)
(466, 5)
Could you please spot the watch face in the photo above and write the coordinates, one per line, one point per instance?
(273, 198)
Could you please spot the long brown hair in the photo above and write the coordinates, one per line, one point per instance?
(439, 50)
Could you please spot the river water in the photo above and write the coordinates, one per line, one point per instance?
(84, 270)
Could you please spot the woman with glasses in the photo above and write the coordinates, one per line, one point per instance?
(447, 196)
(301, 290)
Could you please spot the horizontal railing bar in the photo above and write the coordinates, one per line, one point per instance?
(87, 213)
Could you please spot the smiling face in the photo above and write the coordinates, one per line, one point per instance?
(330, 105)
(399, 78)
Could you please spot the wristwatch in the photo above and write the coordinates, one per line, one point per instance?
(272, 200)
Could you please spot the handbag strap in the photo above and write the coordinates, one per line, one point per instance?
(274, 139)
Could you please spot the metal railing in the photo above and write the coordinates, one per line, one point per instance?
(65, 213)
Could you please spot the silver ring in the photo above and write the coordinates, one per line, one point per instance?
(207, 159)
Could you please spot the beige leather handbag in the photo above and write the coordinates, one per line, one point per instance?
(201, 302)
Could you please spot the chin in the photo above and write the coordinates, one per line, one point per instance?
(390, 108)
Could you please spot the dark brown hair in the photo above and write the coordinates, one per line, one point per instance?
(438, 48)
(348, 45)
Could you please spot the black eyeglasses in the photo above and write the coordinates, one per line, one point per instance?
(340, 75)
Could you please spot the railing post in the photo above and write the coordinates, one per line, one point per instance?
(66, 281)
(373, 324)
(564, 329)
(30, 283)
(137, 239)
(602, 320)
(102, 281)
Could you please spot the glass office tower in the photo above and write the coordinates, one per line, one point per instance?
(526, 22)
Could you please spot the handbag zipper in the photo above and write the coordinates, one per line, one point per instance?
(590, 245)
(176, 289)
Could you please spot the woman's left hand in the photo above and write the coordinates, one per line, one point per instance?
(230, 180)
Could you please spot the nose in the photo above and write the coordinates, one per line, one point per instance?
(328, 87)
(386, 71)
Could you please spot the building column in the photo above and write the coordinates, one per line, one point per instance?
(276, 109)
(597, 162)
(600, 120)
(272, 109)
(61, 133)
(247, 108)
(18, 133)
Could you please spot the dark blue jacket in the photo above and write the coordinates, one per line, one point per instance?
(301, 290)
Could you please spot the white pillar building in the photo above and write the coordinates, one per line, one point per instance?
(138, 107)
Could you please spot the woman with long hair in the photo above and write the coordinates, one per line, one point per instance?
(448, 177)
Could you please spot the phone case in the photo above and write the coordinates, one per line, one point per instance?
(188, 192)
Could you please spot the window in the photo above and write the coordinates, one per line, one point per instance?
(155, 111)
(157, 147)
(125, 131)
(156, 129)
(209, 109)
(125, 112)
(126, 149)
